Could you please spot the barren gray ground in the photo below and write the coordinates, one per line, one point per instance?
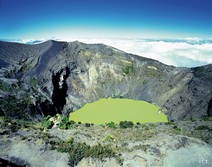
(143, 145)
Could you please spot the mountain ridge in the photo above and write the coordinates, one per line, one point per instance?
(75, 73)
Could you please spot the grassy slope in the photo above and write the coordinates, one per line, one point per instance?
(116, 110)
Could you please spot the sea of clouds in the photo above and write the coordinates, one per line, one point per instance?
(180, 53)
(177, 52)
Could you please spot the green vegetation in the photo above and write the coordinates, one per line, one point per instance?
(145, 82)
(87, 124)
(109, 138)
(207, 118)
(16, 108)
(111, 124)
(47, 124)
(10, 73)
(34, 83)
(171, 122)
(126, 124)
(78, 151)
(116, 110)
(176, 128)
(61, 120)
(203, 127)
(64, 123)
(5, 87)
(9, 125)
(129, 70)
(27, 67)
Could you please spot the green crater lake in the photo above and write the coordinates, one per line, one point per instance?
(116, 110)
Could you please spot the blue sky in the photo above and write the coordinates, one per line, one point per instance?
(38, 19)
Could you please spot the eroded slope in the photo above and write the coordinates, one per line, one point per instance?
(66, 76)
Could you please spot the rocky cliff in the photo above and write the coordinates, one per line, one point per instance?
(61, 77)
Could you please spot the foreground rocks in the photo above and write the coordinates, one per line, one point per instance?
(184, 143)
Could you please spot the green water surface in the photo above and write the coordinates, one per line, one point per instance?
(116, 110)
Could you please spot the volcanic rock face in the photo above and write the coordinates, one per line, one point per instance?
(63, 77)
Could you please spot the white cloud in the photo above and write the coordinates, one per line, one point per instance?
(188, 52)
(181, 53)
(25, 41)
